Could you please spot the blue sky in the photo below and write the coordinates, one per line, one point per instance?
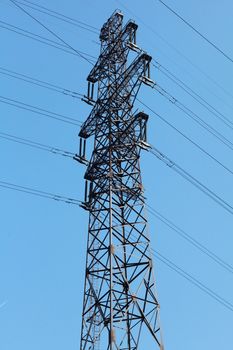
(42, 242)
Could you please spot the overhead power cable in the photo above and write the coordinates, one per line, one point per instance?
(159, 256)
(197, 31)
(59, 16)
(190, 178)
(37, 145)
(154, 151)
(193, 241)
(180, 53)
(40, 111)
(41, 39)
(193, 280)
(50, 31)
(169, 263)
(39, 193)
(187, 138)
(68, 92)
(191, 93)
(74, 94)
(151, 210)
(175, 101)
(174, 267)
(41, 83)
(195, 117)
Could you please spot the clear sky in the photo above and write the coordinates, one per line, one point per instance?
(42, 242)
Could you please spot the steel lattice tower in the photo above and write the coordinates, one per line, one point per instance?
(120, 305)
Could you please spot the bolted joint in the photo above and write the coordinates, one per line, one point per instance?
(150, 264)
(126, 286)
(111, 249)
(112, 335)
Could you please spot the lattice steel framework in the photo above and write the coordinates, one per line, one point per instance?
(120, 305)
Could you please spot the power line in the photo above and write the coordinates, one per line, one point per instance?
(50, 31)
(154, 212)
(174, 100)
(193, 280)
(192, 93)
(190, 239)
(68, 92)
(190, 178)
(30, 36)
(187, 112)
(39, 193)
(187, 138)
(214, 132)
(59, 16)
(159, 256)
(181, 54)
(197, 31)
(37, 145)
(40, 111)
(39, 38)
(169, 263)
(75, 94)
(31, 33)
(26, 190)
(41, 83)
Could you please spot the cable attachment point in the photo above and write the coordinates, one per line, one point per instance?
(144, 145)
(90, 94)
(81, 156)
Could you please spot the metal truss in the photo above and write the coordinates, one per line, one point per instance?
(120, 307)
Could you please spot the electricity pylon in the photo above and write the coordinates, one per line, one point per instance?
(120, 307)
